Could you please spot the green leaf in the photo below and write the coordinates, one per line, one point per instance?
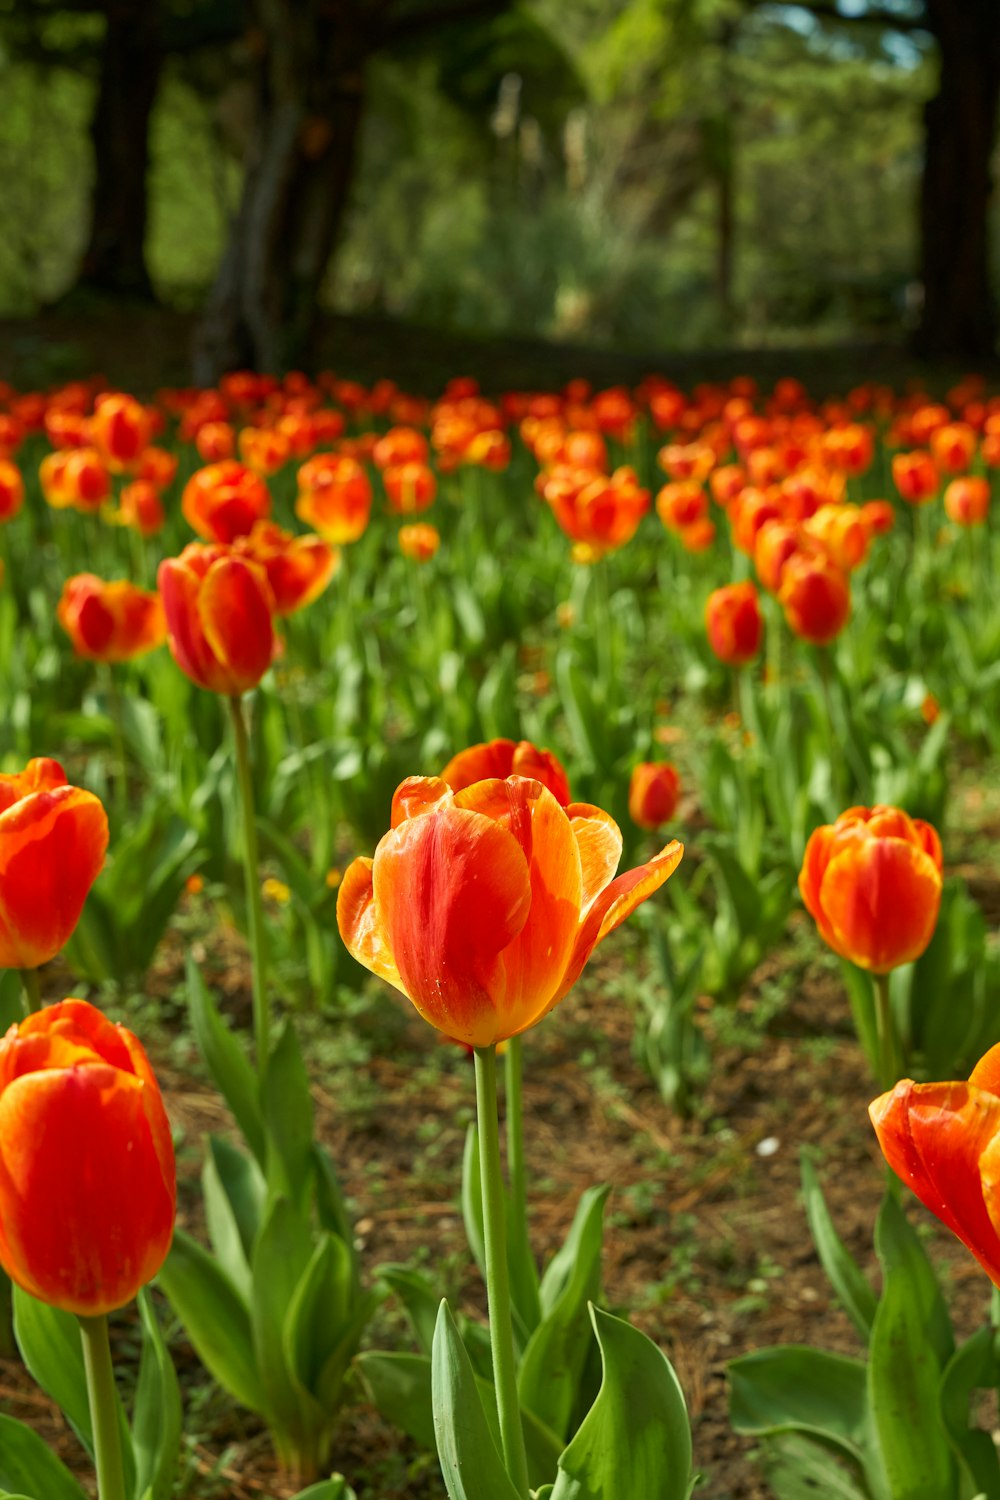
(320, 1312)
(635, 1440)
(417, 1296)
(801, 1468)
(288, 1113)
(556, 1356)
(157, 1417)
(849, 1282)
(11, 1002)
(910, 1344)
(470, 1460)
(216, 1318)
(974, 1366)
(227, 1062)
(234, 1194)
(336, 1488)
(51, 1348)
(280, 1257)
(792, 1388)
(28, 1466)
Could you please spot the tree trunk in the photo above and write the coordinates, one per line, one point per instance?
(262, 311)
(131, 64)
(959, 313)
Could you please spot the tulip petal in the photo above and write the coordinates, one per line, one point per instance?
(599, 841)
(358, 921)
(616, 902)
(179, 589)
(880, 897)
(234, 606)
(491, 760)
(416, 795)
(452, 890)
(986, 1074)
(534, 962)
(52, 848)
(934, 1135)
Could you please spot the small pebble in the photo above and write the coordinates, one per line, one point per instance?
(768, 1146)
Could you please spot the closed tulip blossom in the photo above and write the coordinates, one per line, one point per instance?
(419, 542)
(224, 501)
(410, 487)
(815, 596)
(219, 608)
(335, 497)
(87, 1179)
(653, 794)
(483, 906)
(916, 477)
(943, 1141)
(967, 500)
(298, 568)
(110, 621)
(872, 883)
(53, 839)
(734, 623)
(11, 490)
(140, 506)
(120, 429)
(498, 759)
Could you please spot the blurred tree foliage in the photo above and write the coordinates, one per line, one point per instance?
(648, 172)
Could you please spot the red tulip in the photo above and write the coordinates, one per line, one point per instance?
(110, 621)
(498, 759)
(87, 1181)
(53, 838)
(224, 500)
(815, 596)
(653, 794)
(219, 608)
(734, 623)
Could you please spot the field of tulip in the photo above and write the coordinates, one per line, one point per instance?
(306, 683)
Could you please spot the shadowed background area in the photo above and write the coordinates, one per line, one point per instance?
(285, 182)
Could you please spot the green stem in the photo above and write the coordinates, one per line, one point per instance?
(527, 1292)
(833, 740)
(251, 867)
(118, 725)
(497, 1277)
(885, 1027)
(32, 990)
(103, 1408)
(8, 1343)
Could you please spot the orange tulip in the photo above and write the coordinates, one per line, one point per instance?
(483, 906)
(498, 759)
(11, 490)
(598, 511)
(335, 497)
(842, 529)
(699, 536)
(734, 623)
(653, 794)
(681, 503)
(967, 501)
(749, 513)
(916, 477)
(879, 516)
(953, 447)
(119, 429)
(872, 882)
(815, 596)
(400, 445)
(298, 568)
(88, 1188)
(53, 838)
(75, 477)
(943, 1141)
(410, 487)
(110, 621)
(215, 441)
(263, 449)
(222, 501)
(157, 467)
(140, 506)
(419, 542)
(219, 608)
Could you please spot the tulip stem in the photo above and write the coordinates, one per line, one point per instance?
(103, 1408)
(885, 1027)
(32, 990)
(497, 1275)
(525, 1288)
(251, 867)
(118, 728)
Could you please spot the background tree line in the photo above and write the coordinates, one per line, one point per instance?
(654, 172)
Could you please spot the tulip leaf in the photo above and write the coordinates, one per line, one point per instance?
(556, 1356)
(49, 1341)
(28, 1465)
(215, 1317)
(281, 1254)
(288, 1114)
(635, 1440)
(800, 1468)
(849, 1282)
(472, 1200)
(330, 1206)
(792, 1388)
(470, 1460)
(974, 1366)
(417, 1297)
(227, 1062)
(234, 1193)
(910, 1344)
(11, 1003)
(157, 1417)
